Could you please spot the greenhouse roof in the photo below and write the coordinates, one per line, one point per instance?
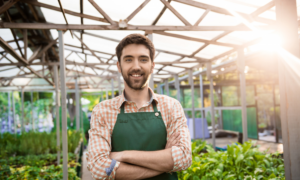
(186, 34)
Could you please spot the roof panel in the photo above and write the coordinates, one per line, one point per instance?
(175, 44)
(168, 18)
(6, 34)
(148, 14)
(173, 69)
(89, 9)
(73, 5)
(20, 81)
(239, 7)
(52, 16)
(216, 19)
(11, 58)
(100, 44)
(9, 73)
(188, 59)
(163, 57)
(74, 57)
(239, 37)
(190, 13)
(207, 35)
(92, 59)
(186, 65)
(117, 9)
(212, 50)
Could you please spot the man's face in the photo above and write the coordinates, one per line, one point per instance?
(136, 66)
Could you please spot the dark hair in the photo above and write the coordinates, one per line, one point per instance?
(135, 39)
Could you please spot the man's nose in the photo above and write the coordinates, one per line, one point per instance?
(136, 64)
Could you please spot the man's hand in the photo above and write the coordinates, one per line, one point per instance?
(173, 140)
(118, 156)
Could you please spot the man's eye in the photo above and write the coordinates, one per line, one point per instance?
(144, 60)
(128, 60)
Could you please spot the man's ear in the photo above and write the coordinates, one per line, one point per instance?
(152, 68)
(119, 67)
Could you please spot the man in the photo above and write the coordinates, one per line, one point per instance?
(138, 135)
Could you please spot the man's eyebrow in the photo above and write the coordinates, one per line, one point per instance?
(143, 56)
(127, 56)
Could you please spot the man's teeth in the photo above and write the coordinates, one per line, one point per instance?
(136, 75)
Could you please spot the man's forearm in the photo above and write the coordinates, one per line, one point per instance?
(126, 171)
(157, 160)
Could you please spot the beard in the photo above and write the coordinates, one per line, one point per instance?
(137, 84)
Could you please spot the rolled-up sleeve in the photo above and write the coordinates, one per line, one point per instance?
(182, 155)
(99, 163)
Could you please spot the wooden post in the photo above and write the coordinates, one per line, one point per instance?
(63, 105)
(287, 27)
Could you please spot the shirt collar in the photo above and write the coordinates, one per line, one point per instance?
(151, 93)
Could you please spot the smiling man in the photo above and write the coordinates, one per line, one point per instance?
(140, 134)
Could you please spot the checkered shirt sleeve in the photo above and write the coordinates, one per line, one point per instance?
(100, 147)
(182, 155)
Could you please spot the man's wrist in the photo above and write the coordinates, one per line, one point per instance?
(124, 156)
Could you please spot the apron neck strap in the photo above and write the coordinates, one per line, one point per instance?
(153, 104)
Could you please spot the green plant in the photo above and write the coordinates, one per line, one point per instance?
(242, 162)
(35, 143)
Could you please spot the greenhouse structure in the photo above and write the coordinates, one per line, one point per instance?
(232, 64)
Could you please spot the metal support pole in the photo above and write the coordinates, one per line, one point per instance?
(202, 105)
(177, 87)
(14, 114)
(287, 27)
(167, 88)
(212, 106)
(191, 82)
(119, 84)
(158, 89)
(274, 114)
(106, 93)
(112, 88)
(63, 105)
(22, 119)
(151, 81)
(8, 124)
(32, 118)
(241, 68)
(57, 104)
(77, 98)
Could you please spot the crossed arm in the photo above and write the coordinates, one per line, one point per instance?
(145, 164)
(137, 164)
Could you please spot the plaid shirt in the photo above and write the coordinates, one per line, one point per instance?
(104, 117)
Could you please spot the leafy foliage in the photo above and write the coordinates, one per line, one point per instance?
(240, 161)
(35, 143)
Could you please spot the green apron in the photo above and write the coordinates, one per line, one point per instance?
(142, 131)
